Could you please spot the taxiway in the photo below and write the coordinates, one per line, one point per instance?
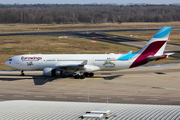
(144, 85)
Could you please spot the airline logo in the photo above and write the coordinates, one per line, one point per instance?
(109, 64)
(31, 58)
(29, 63)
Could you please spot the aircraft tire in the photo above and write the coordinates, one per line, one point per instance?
(86, 74)
(76, 77)
(22, 74)
(91, 74)
(82, 76)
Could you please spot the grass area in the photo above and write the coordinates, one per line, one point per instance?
(16, 45)
(175, 37)
(147, 35)
(10, 28)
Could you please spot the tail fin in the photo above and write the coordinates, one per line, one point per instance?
(155, 47)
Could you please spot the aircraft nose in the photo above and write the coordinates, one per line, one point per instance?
(7, 63)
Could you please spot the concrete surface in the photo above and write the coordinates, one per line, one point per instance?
(149, 85)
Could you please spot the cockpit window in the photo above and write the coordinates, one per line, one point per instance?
(10, 59)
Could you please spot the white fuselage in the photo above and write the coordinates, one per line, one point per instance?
(95, 62)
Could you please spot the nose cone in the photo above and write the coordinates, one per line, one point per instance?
(7, 63)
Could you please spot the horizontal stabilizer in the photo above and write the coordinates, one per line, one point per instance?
(168, 54)
(153, 58)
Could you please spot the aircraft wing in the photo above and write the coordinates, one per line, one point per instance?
(70, 65)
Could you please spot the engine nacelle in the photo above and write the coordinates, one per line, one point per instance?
(50, 72)
(91, 68)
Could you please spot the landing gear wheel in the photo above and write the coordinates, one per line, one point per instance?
(76, 77)
(86, 74)
(82, 76)
(91, 74)
(22, 74)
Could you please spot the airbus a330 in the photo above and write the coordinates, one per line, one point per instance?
(83, 65)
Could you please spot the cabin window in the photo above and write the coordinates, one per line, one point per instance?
(51, 60)
(70, 60)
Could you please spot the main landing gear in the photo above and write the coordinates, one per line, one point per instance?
(86, 74)
(89, 74)
(79, 77)
(22, 73)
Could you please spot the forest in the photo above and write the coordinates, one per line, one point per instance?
(71, 14)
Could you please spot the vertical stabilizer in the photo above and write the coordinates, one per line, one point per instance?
(155, 47)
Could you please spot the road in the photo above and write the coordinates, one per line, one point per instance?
(70, 33)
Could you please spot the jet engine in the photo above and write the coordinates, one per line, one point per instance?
(50, 72)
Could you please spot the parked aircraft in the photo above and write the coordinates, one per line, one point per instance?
(83, 65)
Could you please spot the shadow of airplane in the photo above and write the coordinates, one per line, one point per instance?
(108, 77)
(112, 77)
(38, 79)
(41, 80)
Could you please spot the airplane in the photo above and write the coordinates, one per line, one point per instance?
(83, 65)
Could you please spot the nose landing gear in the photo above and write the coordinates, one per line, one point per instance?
(22, 73)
